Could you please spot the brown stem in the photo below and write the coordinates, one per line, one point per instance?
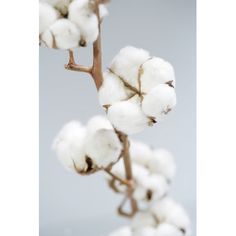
(129, 175)
(122, 181)
(75, 67)
(97, 52)
(96, 69)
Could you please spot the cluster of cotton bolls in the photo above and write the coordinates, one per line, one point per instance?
(164, 218)
(138, 90)
(86, 149)
(153, 171)
(159, 215)
(67, 24)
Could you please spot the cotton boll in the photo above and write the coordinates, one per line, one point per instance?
(151, 188)
(159, 101)
(81, 13)
(104, 147)
(180, 219)
(96, 123)
(127, 116)
(162, 162)
(123, 231)
(156, 71)
(66, 34)
(143, 219)
(103, 11)
(145, 231)
(69, 146)
(112, 90)
(60, 5)
(162, 208)
(127, 62)
(165, 229)
(47, 15)
(167, 210)
(140, 153)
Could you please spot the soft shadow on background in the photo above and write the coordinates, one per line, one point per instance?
(74, 205)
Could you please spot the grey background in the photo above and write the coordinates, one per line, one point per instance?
(74, 205)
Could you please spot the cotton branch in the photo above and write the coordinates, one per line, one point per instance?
(96, 72)
(96, 69)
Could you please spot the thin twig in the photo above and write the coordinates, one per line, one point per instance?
(129, 174)
(122, 181)
(75, 67)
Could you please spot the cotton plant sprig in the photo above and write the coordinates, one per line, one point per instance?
(137, 90)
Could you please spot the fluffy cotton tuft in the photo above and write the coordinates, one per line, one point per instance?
(60, 5)
(88, 149)
(159, 101)
(112, 90)
(127, 62)
(151, 188)
(162, 162)
(123, 231)
(96, 123)
(145, 231)
(143, 219)
(103, 147)
(64, 35)
(47, 15)
(165, 229)
(81, 13)
(167, 210)
(138, 90)
(127, 117)
(140, 153)
(156, 71)
(69, 146)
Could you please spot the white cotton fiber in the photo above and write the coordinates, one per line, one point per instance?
(145, 231)
(156, 71)
(81, 13)
(112, 90)
(47, 15)
(127, 116)
(60, 5)
(143, 219)
(96, 123)
(103, 147)
(162, 162)
(65, 33)
(165, 229)
(69, 146)
(127, 62)
(140, 152)
(123, 231)
(151, 188)
(48, 39)
(167, 210)
(159, 101)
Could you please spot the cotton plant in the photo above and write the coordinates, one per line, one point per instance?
(137, 90)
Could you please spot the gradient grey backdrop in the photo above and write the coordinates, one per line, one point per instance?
(74, 205)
